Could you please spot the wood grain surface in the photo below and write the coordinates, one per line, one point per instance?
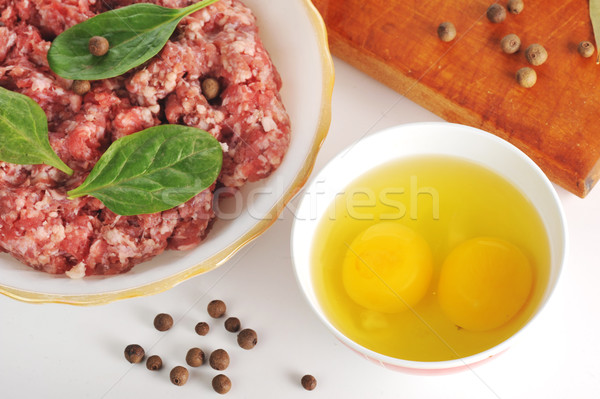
(471, 81)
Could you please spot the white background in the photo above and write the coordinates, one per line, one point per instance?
(61, 351)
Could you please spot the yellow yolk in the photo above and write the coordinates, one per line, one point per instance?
(484, 282)
(387, 268)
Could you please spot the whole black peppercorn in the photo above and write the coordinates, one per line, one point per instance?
(536, 54)
(585, 49)
(163, 322)
(446, 31)
(526, 77)
(247, 338)
(515, 6)
(496, 13)
(510, 44)
(179, 375)
(210, 88)
(154, 363)
(309, 382)
(216, 308)
(202, 328)
(219, 359)
(134, 353)
(232, 324)
(195, 357)
(221, 384)
(80, 87)
(98, 46)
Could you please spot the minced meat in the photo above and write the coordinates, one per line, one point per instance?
(49, 232)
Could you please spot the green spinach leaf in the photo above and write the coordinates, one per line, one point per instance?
(135, 34)
(154, 170)
(24, 132)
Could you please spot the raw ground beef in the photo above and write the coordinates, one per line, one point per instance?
(45, 230)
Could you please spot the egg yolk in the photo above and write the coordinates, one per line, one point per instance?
(483, 283)
(387, 268)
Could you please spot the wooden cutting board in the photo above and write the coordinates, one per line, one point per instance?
(471, 81)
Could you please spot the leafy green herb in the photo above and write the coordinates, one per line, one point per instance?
(153, 170)
(24, 132)
(595, 17)
(135, 33)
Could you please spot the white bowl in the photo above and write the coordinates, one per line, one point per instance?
(422, 139)
(294, 34)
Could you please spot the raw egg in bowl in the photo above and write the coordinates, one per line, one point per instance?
(429, 247)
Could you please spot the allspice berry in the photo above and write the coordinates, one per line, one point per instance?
(309, 382)
(496, 13)
(526, 77)
(536, 54)
(247, 338)
(221, 384)
(216, 308)
(154, 363)
(202, 328)
(585, 49)
(195, 357)
(446, 31)
(134, 353)
(515, 6)
(179, 375)
(219, 359)
(98, 46)
(510, 44)
(232, 324)
(80, 87)
(210, 88)
(163, 322)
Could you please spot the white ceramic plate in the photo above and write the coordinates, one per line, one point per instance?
(294, 34)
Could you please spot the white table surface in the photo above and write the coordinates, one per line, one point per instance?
(61, 351)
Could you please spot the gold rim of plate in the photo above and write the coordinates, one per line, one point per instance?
(226, 253)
